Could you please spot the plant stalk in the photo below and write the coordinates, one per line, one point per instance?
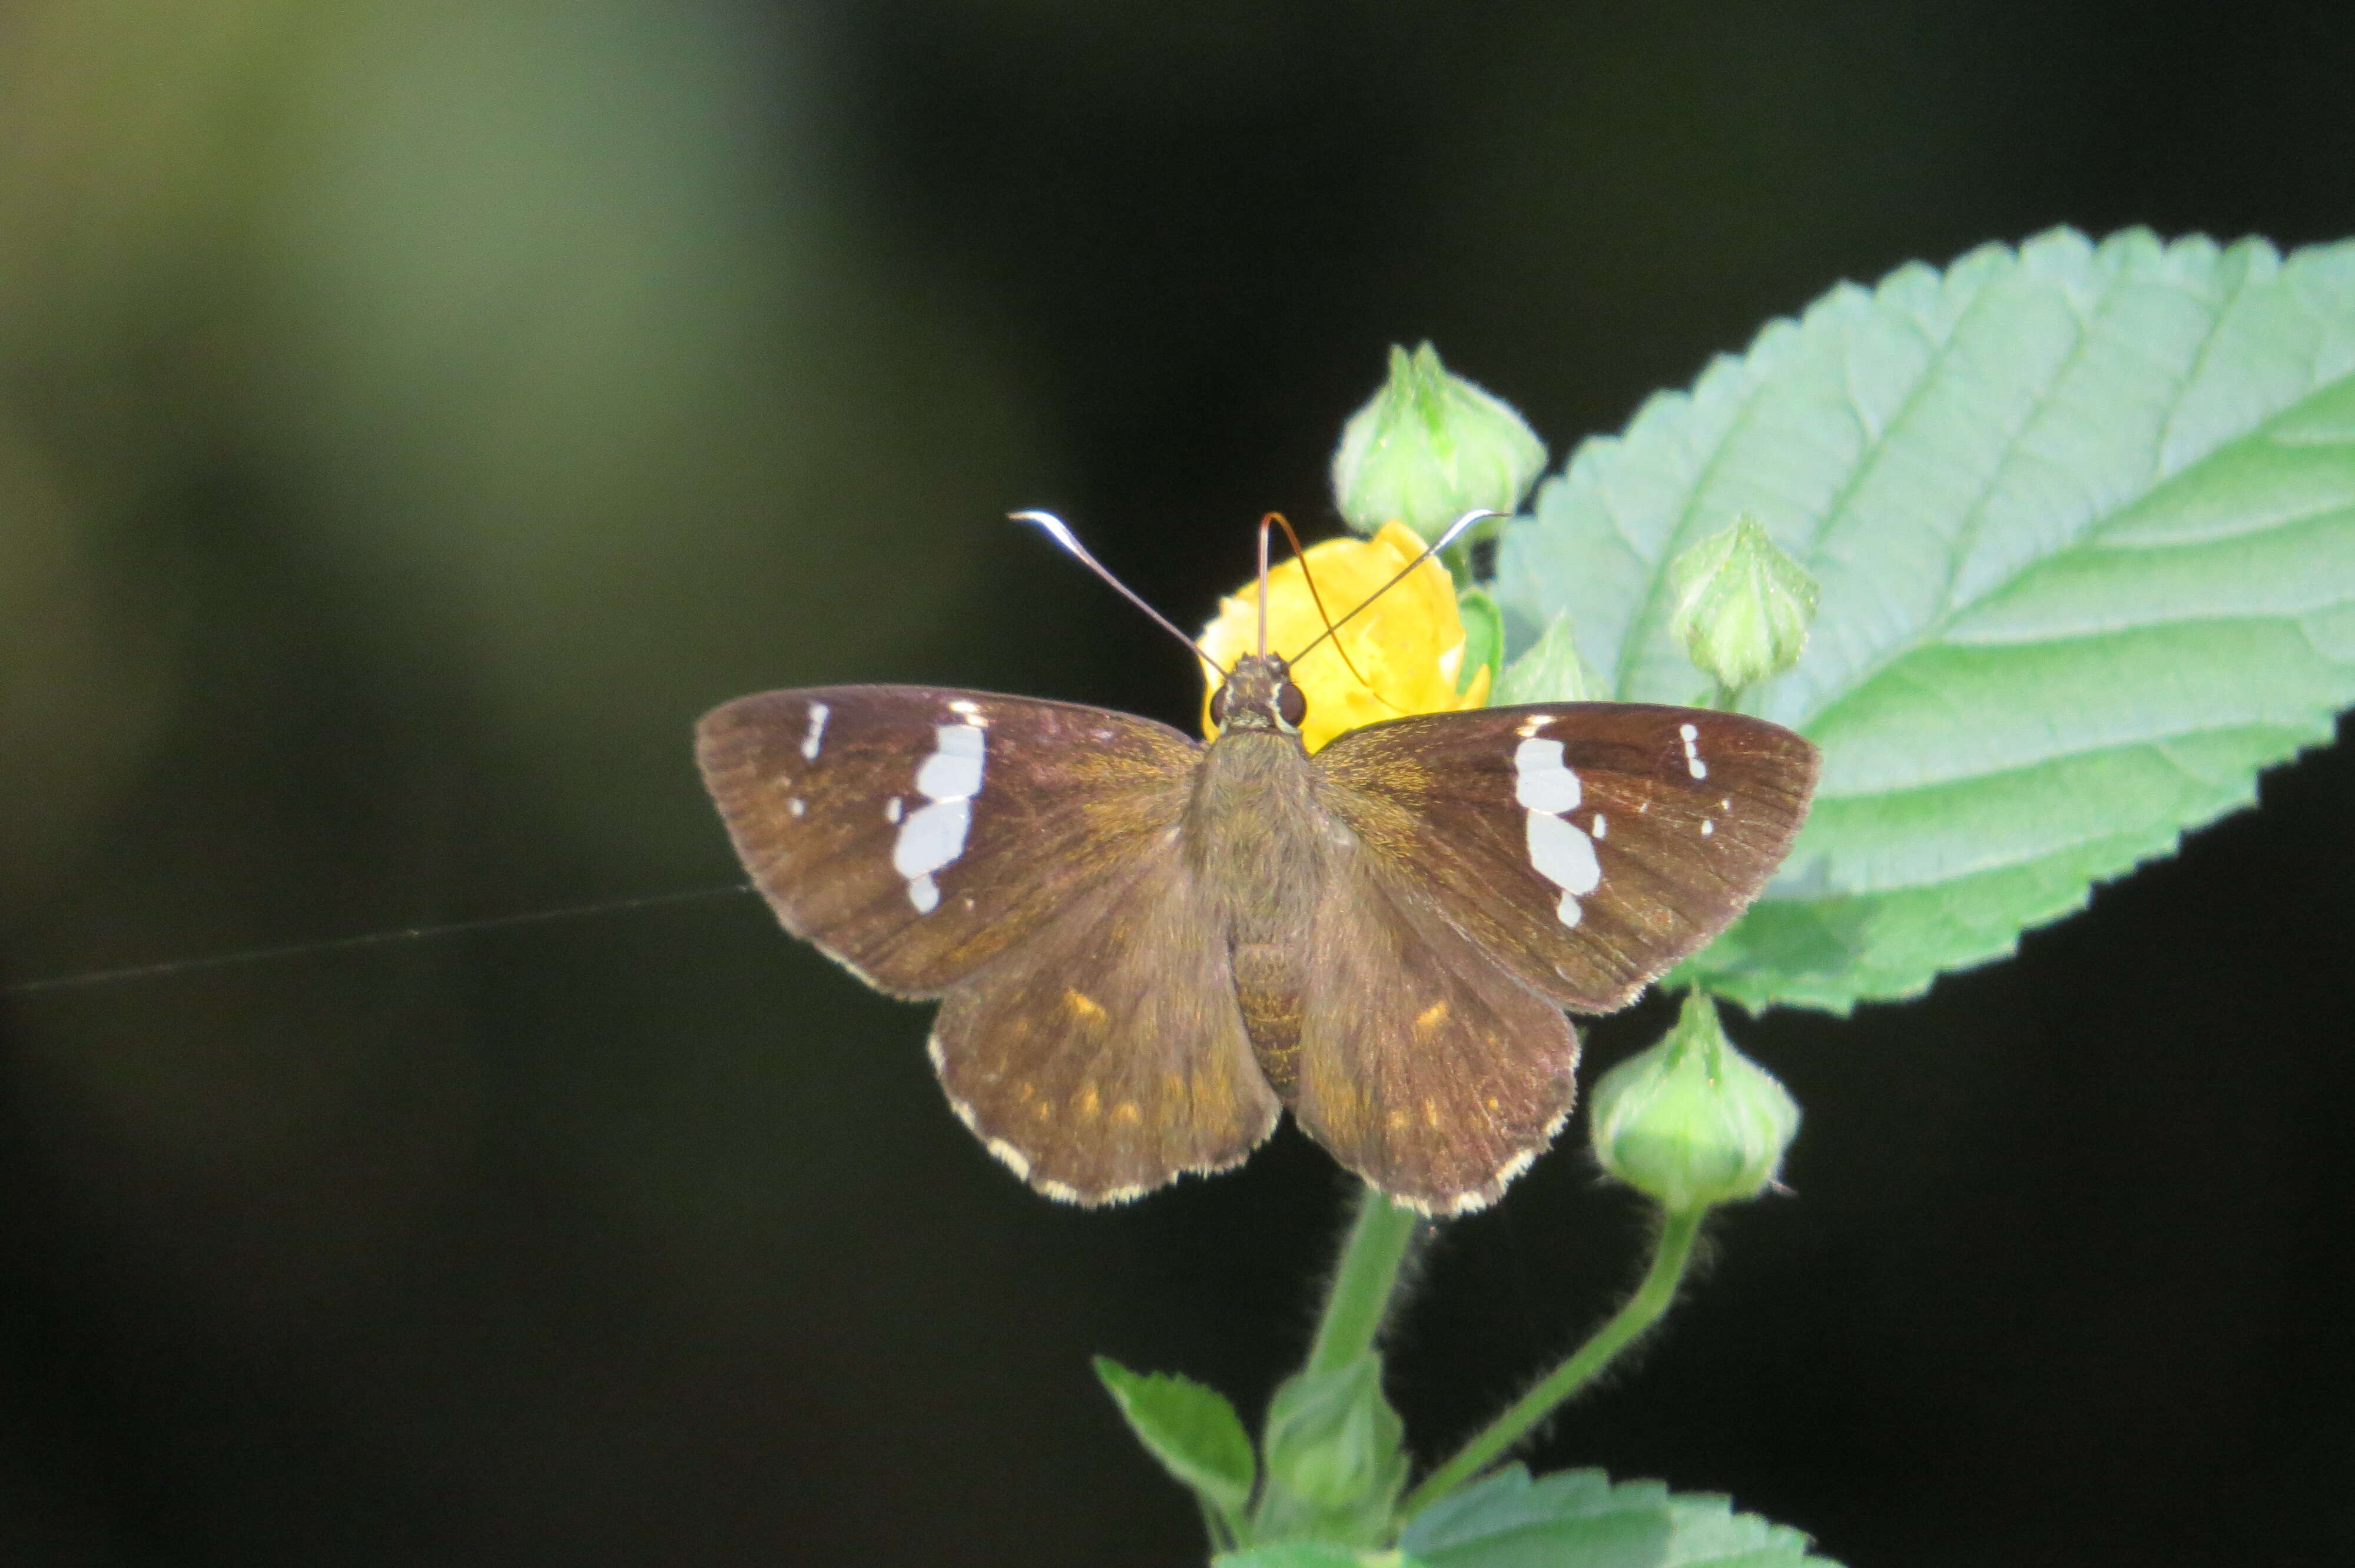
(1362, 1283)
(1642, 1309)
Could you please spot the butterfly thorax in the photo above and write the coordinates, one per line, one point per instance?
(1261, 845)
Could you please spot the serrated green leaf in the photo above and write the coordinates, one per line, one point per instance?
(1509, 1520)
(1336, 1458)
(1192, 1430)
(2084, 520)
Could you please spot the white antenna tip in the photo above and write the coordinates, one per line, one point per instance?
(1052, 523)
(1456, 527)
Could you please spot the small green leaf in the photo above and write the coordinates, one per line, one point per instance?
(2084, 523)
(1192, 1430)
(1483, 636)
(1336, 1458)
(1509, 1520)
(1313, 1554)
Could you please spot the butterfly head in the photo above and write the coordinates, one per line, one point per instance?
(1259, 694)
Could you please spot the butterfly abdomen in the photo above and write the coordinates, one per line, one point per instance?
(1256, 834)
(1268, 981)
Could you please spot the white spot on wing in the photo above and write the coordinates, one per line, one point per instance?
(1707, 827)
(931, 837)
(1016, 1161)
(1599, 827)
(892, 810)
(933, 834)
(1565, 857)
(1541, 780)
(818, 713)
(1531, 724)
(1691, 735)
(1544, 785)
(953, 773)
(1562, 854)
(796, 806)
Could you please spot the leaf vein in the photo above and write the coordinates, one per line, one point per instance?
(2193, 372)
(1976, 518)
(1940, 347)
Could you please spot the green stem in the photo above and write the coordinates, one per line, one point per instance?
(1362, 1284)
(1216, 1525)
(1641, 1310)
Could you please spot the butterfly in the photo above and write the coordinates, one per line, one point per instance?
(1147, 947)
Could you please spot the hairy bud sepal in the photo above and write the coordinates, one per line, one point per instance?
(1550, 671)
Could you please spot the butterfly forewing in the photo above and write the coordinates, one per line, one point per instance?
(916, 834)
(1587, 846)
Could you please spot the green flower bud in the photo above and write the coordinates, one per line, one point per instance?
(1430, 448)
(1692, 1121)
(1336, 1456)
(1744, 605)
(1548, 671)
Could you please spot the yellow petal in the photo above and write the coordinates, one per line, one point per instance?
(1408, 645)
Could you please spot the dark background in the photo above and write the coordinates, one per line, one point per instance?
(415, 413)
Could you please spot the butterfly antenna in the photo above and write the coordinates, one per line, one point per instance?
(1063, 537)
(1262, 577)
(1454, 529)
(1314, 598)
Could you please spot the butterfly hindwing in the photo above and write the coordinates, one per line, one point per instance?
(1425, 1067)
(915, 833)
(1107, 1053)
(1586, 846)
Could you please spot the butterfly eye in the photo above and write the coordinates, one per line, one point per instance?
(1219, 706)
(1290, 705)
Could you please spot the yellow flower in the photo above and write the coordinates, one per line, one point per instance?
(1409, 645)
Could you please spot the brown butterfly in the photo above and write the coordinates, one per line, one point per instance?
(1146, 948)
